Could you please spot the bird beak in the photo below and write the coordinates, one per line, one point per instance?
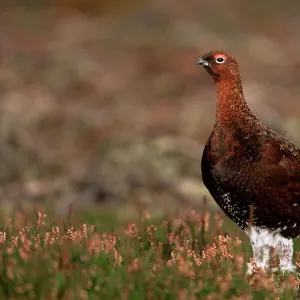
(203, 62)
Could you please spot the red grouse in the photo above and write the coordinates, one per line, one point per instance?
(250, 169)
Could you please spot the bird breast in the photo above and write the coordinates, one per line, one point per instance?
(233, 156)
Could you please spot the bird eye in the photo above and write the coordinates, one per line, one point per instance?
(220, 60)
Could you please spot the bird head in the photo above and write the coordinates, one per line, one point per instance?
(219, 65)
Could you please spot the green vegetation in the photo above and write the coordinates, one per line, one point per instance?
(185, 255)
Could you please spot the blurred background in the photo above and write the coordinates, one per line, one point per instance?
(103, 104)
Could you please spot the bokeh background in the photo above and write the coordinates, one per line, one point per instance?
(102, 103)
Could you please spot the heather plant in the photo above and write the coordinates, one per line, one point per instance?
(186, 255)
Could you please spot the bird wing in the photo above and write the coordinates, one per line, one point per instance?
(277, 194)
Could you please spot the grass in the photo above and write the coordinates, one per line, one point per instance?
(185, 255)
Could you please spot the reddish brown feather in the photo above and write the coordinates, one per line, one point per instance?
(248, 162)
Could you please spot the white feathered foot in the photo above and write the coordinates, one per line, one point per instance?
(263, 240)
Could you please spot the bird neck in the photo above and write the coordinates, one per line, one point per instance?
(231, 105)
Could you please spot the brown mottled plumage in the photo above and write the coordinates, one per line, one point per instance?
(245, 164)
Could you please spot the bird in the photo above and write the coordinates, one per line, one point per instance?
(251, 171)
